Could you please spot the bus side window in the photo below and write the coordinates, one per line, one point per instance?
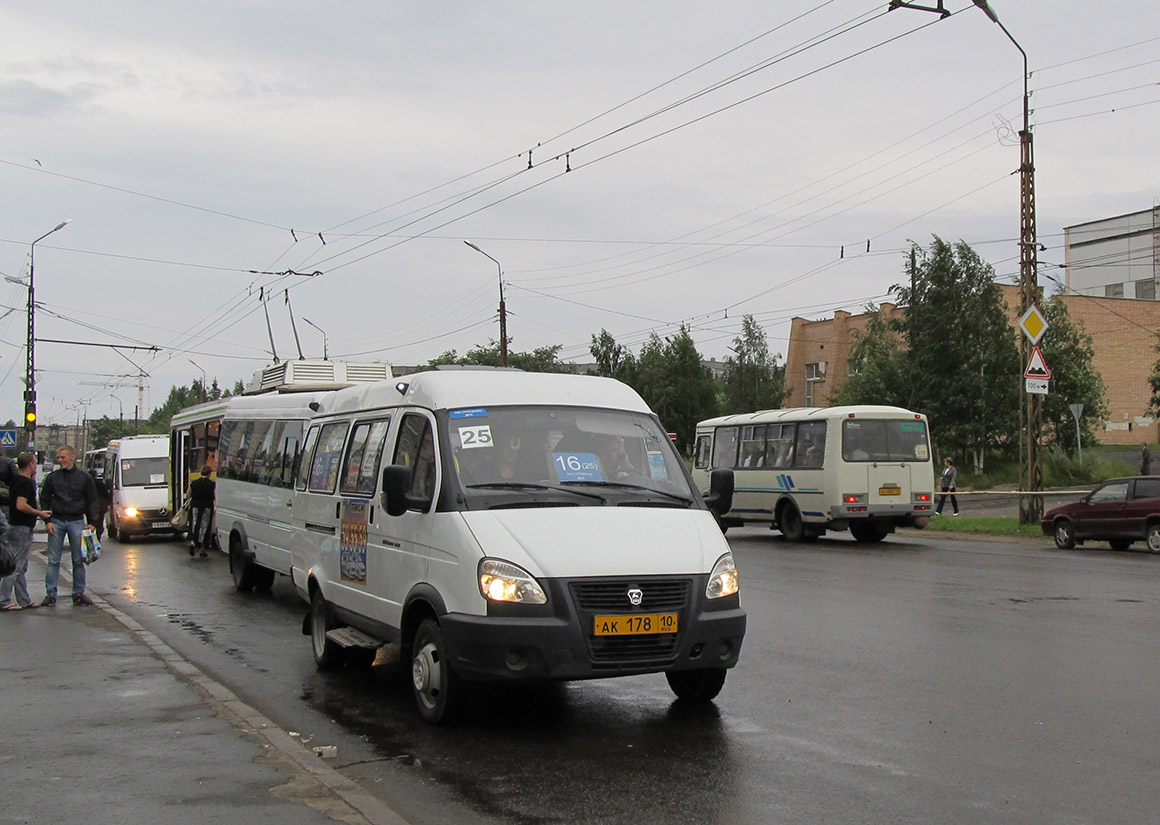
(810, 449)
(704, 443)
(779, 446)
(725, 447)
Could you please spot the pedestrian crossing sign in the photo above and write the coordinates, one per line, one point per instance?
(7, 438)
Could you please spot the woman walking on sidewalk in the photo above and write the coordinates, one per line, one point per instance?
(948, 486)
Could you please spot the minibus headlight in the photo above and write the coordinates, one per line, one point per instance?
(723, 579)
(501, 581)
(130, 512)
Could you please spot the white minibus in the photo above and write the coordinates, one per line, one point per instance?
(138, 478)
(807, 470)
(256, 452)
(502, 526)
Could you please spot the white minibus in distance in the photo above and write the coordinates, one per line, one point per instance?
(502, 526)
(138, 478)
(807, 470)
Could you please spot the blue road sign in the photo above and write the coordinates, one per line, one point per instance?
(7, 438)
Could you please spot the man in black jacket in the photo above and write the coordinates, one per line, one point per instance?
(71, 496)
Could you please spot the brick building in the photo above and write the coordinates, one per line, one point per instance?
(1123, 332)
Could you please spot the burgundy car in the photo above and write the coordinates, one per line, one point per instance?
(1119, 511)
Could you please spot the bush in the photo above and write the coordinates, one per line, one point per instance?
(1063, 470)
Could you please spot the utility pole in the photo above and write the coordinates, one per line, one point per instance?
(503, 340)
(1031, 407)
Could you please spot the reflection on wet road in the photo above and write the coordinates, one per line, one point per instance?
(918, 680)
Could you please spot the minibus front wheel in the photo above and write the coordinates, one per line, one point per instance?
(328, 654)
(700, 685)
(439, 692)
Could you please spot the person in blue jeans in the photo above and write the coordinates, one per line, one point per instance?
(70, 495)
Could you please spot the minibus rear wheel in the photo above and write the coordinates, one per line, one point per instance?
(697, 685)
(439, 692)
(328, 654)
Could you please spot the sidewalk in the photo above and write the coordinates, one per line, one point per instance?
(104, 723)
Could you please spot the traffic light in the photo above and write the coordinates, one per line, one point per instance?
(30, 414)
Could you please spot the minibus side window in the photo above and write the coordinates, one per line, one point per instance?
(752, 446)
(327, 457)
(362, 463)
(303, 462)
(285, 458)
(416, 449)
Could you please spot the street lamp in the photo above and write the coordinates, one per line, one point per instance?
(30, 376)
(1031, 410)
(320, 329)
(204, 396)
(503, 349)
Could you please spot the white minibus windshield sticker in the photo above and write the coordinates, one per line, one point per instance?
(577, 467)
(471, 438)
(474, 412)
(157, 478)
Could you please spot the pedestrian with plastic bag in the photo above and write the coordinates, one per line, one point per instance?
(22, 492)
(70, 495)
(202, 495)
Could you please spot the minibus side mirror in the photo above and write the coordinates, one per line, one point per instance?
(396, 487)
(720, 498)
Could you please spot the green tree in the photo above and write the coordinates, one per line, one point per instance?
(753, 379)
(613, 360)
(544, 359)
(1068, 352)
(673, 380)
(880, 365)
(962, 353)
(179, 398)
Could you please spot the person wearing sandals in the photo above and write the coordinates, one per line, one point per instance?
(70, 494)
(201, 504)
(22, 493)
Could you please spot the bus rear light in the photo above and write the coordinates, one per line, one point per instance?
(853, 498)
(923, 496)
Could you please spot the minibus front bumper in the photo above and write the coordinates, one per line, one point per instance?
(560, 641)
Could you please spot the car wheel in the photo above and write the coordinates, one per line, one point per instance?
(1064, 535)
(241, 568)
(263, 577)
(328, 654)
(790, 522)
(1153, 538)
(439, 692)
(1120, 544)
(697, 685)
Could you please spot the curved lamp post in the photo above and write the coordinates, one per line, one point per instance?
(30, 375)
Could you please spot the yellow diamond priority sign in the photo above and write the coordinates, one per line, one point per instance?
(1033, 324)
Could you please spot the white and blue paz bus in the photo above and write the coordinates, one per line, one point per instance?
(502, 526)
(807, 470)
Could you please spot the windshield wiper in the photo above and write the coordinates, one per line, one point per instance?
(624, 485)
(527, 485)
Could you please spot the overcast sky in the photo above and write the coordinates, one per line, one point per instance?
(689, 163)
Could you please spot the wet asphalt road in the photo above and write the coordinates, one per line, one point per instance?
(920, 680)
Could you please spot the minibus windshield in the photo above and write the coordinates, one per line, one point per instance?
(139, 472)
(546, 455)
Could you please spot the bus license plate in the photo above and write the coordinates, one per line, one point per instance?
(889, 491)
(161, 525)
(635, 625)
